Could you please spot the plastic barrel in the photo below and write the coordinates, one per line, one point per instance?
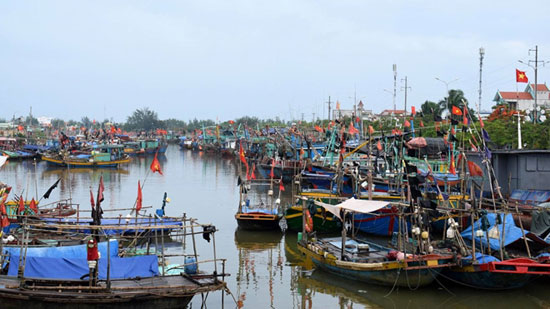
(191, 265)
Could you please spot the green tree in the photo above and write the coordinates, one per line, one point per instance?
(142, 119)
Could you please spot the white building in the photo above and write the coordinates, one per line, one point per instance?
(524, 99)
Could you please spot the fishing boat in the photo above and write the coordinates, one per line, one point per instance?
(259, 204)
(482, 270)
(369, 262)
(97, 274)
(102, 156)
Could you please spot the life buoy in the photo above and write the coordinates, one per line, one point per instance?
(309, 222)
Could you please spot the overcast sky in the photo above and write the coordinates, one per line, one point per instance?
(226, 59)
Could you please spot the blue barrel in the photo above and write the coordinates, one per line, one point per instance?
(190, 265)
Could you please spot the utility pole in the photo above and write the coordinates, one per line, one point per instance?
(394, 85)
(406, 88)
(535, 67)
(481, 54)
(329, 108)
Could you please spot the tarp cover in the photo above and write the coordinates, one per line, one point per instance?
(354, 205)
(74, 268)
(78, 251)
(511, 231)
(147, 222)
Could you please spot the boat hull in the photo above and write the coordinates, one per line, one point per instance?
(81, 164)
(258, 221)
(294, 221)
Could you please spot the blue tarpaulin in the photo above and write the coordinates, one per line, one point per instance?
(74, 268)
(78, 251)
(121, 222)
(511, 231)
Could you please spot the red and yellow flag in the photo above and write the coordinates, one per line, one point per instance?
(155, 165)
(521, 77)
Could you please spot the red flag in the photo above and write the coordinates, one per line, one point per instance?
(281, 186)
(252, 175)
(272, 174)
(92, 199)
(379, 145)
(421, 124)
(521, 77)
(413, 110)
(452, 168)
(352, 129)
(139, 201)
(241, 153)
(371, 130)
(231, 122)
(100, 190)
(474, 169)
(407, 124)
(465, 117)
(155, 165)
(318, 129)
(33, 206)
(456, 111)
(474, 148)
(480, 120)
(21, 205)
(3, 213)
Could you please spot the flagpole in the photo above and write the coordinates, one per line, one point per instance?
(517, 109)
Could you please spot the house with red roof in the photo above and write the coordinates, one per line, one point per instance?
(525, 99)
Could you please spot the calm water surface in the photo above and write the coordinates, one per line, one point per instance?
(265, 267)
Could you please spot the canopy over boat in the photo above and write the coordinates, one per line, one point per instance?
(353, 205)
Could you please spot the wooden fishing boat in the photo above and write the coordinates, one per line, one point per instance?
(369, 262)
(485, 271)
(62, 277)
(103, 156)
(259, 205)
(489, 273)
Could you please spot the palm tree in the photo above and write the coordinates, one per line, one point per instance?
(454, 98)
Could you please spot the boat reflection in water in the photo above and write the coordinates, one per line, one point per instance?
(260, 257)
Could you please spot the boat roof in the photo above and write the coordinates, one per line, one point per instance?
(108, 146)
(354, 205)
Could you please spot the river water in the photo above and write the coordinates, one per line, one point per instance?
(266, 269)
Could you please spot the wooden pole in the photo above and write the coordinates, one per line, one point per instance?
(194, 244)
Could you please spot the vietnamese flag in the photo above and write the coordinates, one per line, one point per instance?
(281, 186)
(456, 111)
(371, 130)
(139, 201)
(452, 168)
(413, 110)
(155, 165)
(21, 205)
(318, 129)
(421, 124)
(3, 213)
(252, 175)
(521, 77)
(33, 206)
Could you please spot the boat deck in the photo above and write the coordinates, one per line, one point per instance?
(156, 290)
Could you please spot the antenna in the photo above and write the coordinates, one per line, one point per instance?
(481, 54)
(406, 88)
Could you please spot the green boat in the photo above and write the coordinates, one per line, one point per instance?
(321, 223)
